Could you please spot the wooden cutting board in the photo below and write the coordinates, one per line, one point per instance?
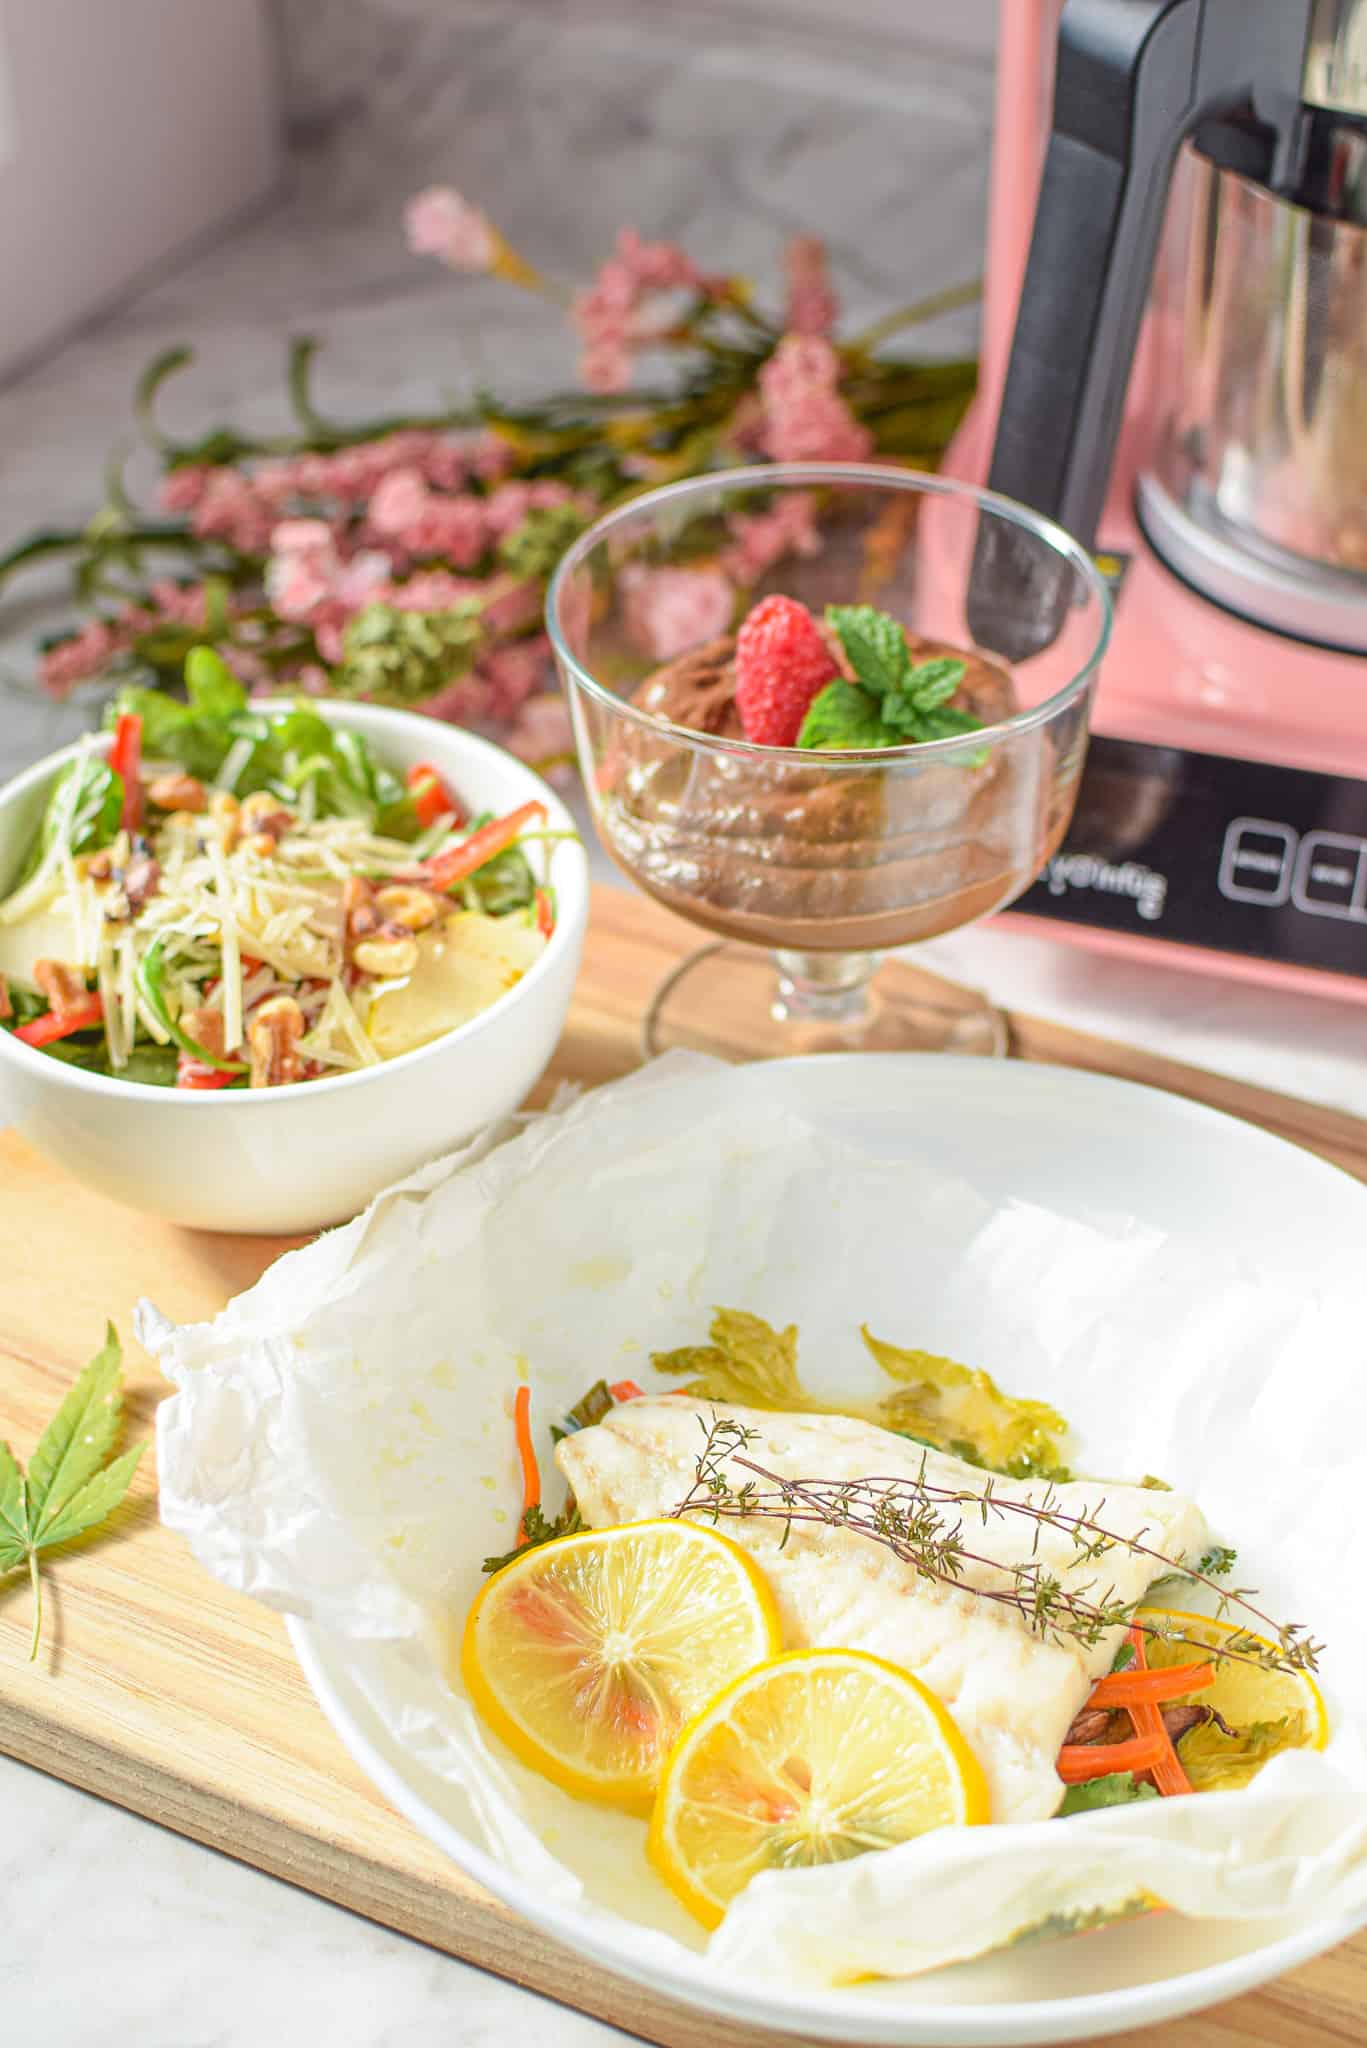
(162, 1691)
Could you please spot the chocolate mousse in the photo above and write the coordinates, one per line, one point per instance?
(825, 854)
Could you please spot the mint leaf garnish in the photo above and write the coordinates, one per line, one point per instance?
(875, 643)
(69, 1488)
(891, 701)
(843, 715)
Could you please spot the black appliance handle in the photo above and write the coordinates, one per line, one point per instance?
(1123, 101)
(1133, 79)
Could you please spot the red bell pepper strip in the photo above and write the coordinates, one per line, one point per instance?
(431, 798)
(458, 863)
(125, 758)
(545, 913)
(193, 1073)
(1078, 1762)
(61, 1023)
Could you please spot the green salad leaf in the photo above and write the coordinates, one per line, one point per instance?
(504, 883)
(83, 810)
(936, 1401)
(1218, 1759)
(1117, 1788)
(217, 735)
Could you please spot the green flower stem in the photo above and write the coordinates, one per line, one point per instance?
(951, 300)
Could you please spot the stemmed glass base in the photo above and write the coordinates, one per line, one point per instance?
(742, 1003)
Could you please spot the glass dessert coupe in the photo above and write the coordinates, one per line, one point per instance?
(807, 866)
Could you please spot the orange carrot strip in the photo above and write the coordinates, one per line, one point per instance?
(444, 870)
(531, 1475)
(1080, 1761)
(1130, 1687)
(1168, 1774)
(625, 1390)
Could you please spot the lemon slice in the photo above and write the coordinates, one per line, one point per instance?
(1243, 1694)
(588, 1655)
(817, 1756)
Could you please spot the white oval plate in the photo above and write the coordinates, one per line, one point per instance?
(1086, 1146)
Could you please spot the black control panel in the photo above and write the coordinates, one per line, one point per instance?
(1239, 856)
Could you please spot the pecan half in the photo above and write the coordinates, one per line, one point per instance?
(359, 909)
(262, 814)
(226, 812)
(206, 1028)
(273, 1036)
(63, 986)
(178, 793)
(141, 879)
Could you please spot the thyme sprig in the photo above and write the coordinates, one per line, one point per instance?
(925, 1526)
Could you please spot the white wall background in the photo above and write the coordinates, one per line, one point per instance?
(127, 128)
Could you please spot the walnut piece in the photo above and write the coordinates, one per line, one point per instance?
(226, 812)
(63, 986)
(262, 815)
(178, 793)
(273, 1036)
(359, 909)
(141, 879)
(206, 1027)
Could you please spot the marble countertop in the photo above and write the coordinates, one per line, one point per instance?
(730, 139)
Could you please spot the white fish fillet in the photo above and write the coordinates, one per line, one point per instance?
(1012, 1694)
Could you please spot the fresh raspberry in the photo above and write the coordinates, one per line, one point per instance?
(782, 661)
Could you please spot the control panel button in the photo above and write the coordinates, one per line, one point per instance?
(1257, 861)
(1331, 876)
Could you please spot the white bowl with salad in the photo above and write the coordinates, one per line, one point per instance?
(258, 960)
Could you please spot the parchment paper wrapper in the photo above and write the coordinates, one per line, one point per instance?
(340, 1447)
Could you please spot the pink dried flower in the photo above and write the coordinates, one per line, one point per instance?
(669, 610)
(507, 507)
(605, 366)
(440, 223)
(100, 641)
(805, 418)
(626, 307)
(812, 304)
(656, 266)
(542, 735)
(463, 702)
(181, 489)
(759, 539)
(230, 508)
(428, 523)
(512, 603)
(76, 659)
(512, 673)
(312, 583)
(434, 590)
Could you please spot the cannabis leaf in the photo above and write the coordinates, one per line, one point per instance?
(69, 1488)
(891, 700)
